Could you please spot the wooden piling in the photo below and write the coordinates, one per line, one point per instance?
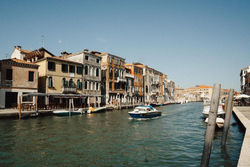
(19, 107)
(228, 108)
(211, 125)
(36, 105)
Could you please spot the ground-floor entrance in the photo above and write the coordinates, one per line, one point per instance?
(10, 99)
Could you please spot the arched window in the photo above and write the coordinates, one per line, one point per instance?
(97, 72)
(50, 82)
(71, 83)
(97, 86)
(63, 82)
(79, 84)
(86, 85)
(86, 70)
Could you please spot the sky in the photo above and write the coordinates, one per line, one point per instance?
(193, 42)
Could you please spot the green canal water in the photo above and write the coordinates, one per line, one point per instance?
(113, 139)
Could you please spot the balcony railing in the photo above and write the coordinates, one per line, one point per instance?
(68, 90)
(6, 83)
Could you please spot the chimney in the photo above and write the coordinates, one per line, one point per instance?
(64, 53)
(18, 47)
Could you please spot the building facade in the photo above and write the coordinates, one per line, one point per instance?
(130, 91)
(244, 73)
(59, 77)
(113, 79)
(17, 77)
(136, 70)
(169, 91)
(91, 77)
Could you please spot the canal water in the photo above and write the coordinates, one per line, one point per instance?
(113, 139)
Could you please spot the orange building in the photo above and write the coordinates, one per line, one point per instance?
(137, 71)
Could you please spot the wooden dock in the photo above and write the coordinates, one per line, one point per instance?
(13, 113)
(243, 114)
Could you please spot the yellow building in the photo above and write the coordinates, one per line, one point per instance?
(59, 77)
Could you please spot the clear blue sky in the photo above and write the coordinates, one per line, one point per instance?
(193, 42)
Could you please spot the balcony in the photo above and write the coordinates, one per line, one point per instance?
(121, 79)
(6, 83)
(68, 90)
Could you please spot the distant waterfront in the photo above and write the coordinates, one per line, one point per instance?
(113, 139)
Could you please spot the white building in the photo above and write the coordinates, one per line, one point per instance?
(243, 74)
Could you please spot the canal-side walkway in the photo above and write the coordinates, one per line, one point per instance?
(13, 113)
(243, 114)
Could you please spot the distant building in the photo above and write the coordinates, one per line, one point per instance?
(179, 94)
(247, 84)
(244, 80)
(17, 77)
(169, 91)
(113, 79)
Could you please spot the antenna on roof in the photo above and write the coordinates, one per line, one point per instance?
(42, 39)
(6, 55)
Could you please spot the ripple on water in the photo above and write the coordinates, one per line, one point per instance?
(113, 139)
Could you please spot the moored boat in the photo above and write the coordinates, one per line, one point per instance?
(66, 112)
(219, 122)
(206, 109)
(96, 110)
(144, 112)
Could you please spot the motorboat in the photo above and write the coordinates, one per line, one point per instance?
(64, 112)
(219, 122)
(96, 110)
(144, 112)
(206, 109)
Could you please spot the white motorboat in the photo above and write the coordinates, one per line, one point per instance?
(144, 112)
(219, 122)
(63, 112)
(206, 109)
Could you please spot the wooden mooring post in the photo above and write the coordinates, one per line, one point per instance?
(211, 125)
(229, 108)
(19, 107)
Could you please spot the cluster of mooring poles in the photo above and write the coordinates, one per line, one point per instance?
(212, 122)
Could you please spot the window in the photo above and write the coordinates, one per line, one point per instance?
(63, 82)
(110, 73)
(79, 84)
(86, 85)
(79, 70)
(50, 82)
(97, 88)
(86, 57)
(51, 66)
(86, 70)
(71, 83)
(98, 61)
(64, 68)
(97, 72)
(31, 76)
(72, 68)
(9, 74)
